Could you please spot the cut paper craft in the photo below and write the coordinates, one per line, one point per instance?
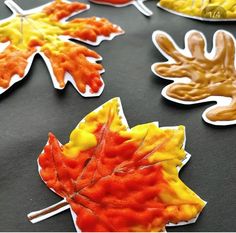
(200, 76)
(113, 178)
(207, 10)
(44, 30)
(123, 3)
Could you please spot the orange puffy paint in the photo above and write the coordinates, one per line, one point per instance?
(59, 9)
(12, 62)
(40, 30)
(70, 58)
(90, 28)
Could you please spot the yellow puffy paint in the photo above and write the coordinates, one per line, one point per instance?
(80, 140)
(108, 115)
(21, 31)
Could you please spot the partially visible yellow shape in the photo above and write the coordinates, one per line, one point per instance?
(197, 7)
(80, 140)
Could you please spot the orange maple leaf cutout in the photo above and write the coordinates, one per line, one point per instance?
(44, 30)
(118, 179)
(210, 76)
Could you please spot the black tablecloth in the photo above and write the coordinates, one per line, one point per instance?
(32, 108)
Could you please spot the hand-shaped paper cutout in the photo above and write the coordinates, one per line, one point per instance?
(119, 179)
(44, 30)
(122, 3)
(209, 10)
(200, 76)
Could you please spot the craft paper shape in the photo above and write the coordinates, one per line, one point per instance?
(209, 10)
(113, 178)
(44, 30)
(122, 3)
(200, 76)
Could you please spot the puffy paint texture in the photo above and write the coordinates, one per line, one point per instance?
(120, 179)
(41, 30)
(211, 9)
(211, 76)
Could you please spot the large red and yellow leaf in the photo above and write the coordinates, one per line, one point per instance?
(120, 179)
(44, 30)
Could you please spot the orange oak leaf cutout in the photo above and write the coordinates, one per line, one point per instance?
(200, 76)
(113, 178)
(44, 30)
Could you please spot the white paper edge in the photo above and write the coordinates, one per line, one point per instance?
(74, 217)
(220, 100)
(67, 77)
(3, 46)
(194, 17)
(115, 5)
(124, 121)
(51, 214)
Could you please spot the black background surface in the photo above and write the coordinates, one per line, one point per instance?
(32, 108)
